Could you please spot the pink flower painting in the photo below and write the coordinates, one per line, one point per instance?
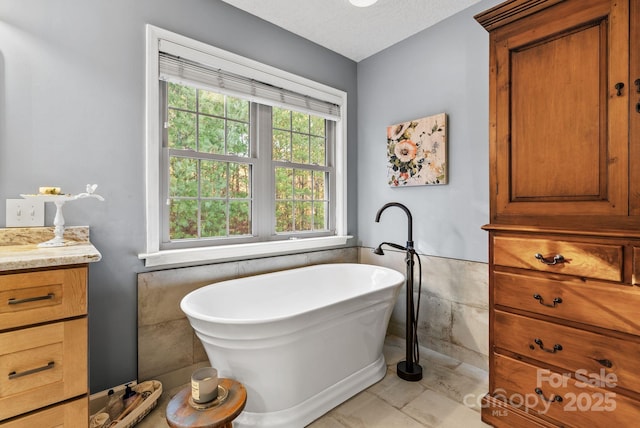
(417, 152)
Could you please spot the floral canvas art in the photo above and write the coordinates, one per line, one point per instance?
(417, 152)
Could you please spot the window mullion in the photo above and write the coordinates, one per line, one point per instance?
(191, 154)
(228, 198)
(164, 170)
(199, 196)
(331, 189)
(306, 166)
(264, 185)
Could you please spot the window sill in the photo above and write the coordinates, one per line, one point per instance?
(238, 251)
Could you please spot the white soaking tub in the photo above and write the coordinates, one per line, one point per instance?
(301, 341)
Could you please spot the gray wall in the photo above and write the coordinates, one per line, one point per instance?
(72, 113)
(442, 69)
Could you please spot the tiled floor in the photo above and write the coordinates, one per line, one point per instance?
(447, 397)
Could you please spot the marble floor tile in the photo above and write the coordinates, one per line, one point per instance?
(454, 384)
(432, 409)
(366, 410)
(327, 421)
(395, 391)
(446, 397)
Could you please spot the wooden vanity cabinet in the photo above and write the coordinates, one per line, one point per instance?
(564, 237)
(43, 348)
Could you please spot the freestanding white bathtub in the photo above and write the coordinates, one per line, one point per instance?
(301, 341)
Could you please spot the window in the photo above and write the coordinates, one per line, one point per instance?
(212, 143)
(242, 159)
(208, 166)
(301, 146)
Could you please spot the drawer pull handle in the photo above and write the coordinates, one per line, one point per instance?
(14, 375)
(556, 347)
(555, 398)
(14, 301)
(540, 300)
(558, 258)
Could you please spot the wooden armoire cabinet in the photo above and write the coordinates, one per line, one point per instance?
(564, 236)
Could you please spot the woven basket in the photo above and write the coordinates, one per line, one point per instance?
(142, 410)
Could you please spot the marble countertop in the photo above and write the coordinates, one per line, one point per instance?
(19, 248)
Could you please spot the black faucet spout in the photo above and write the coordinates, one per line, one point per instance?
(378, 249)
(409, 219)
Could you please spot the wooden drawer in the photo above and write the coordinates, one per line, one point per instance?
(578, 351)
(42, 365)
(48, 295)
(584, 259)
(499, 414)
(563, 398)
(72, 414)
(607, 305)
(636, 265)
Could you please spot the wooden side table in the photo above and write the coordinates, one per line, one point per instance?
(180, 414)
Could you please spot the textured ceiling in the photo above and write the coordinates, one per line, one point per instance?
(351, 31)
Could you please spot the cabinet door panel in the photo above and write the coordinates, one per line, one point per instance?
(634, 110)
(561, 128)
(558, 140)
(42, 365)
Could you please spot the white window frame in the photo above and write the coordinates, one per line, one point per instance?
(215, 57)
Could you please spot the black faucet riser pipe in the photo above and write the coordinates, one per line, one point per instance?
(409, 369)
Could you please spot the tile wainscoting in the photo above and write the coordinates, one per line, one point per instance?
(168, 349)
(453, 313)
